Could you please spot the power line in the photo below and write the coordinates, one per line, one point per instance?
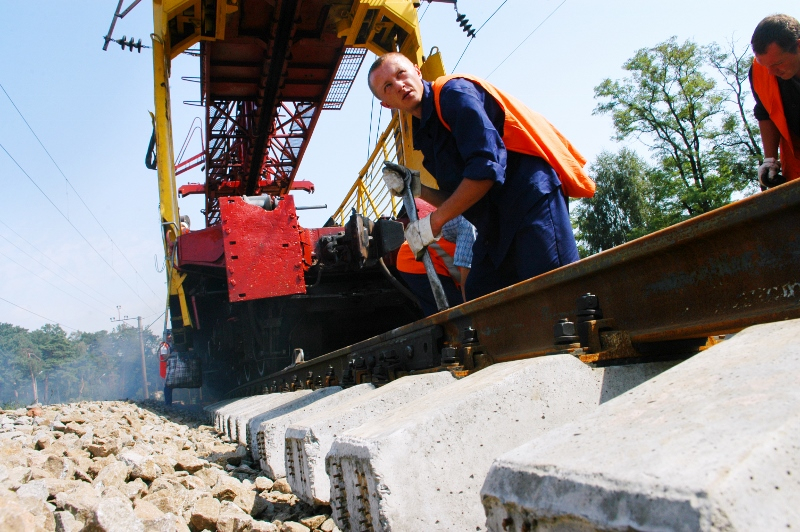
(38, 315)
(73, 226)
(75, 190)
(369, 135)
(45, 266)
(476, 33)
(423, 13)
(51, 284)
(155, 320)
(526, 38)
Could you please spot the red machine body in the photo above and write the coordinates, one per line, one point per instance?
(263, 254)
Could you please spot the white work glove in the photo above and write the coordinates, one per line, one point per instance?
(396, 185)
(419, 235)
(768, 170)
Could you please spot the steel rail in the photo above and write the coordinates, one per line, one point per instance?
(714, 274)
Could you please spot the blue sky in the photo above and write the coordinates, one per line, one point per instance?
(66, 263)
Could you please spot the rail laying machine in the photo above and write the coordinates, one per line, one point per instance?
(254, 286)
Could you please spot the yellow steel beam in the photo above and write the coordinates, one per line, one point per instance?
(165, 160)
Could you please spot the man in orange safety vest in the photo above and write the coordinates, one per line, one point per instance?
(775, 80)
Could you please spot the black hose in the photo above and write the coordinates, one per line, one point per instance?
(397, 284)
(150, 156)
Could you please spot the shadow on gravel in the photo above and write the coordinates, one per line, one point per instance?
(189, 415)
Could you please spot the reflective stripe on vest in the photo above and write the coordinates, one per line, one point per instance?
(447, 260)
(766, 85)
(526, 131)
(442, 253)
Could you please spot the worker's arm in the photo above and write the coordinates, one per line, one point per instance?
(467, 194)
(770, 138)
(433, 196)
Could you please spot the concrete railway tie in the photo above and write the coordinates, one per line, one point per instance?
(310, 439)
(707, 444)
(271, 432)
(711, 444)
(422, 466)
(289, 403)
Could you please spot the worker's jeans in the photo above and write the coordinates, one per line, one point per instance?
(167, 395)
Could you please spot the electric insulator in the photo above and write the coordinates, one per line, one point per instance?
(130, 44)
(463, 21)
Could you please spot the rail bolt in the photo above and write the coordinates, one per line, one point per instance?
(564, 332)
(588, 301)
(449, 355)
(588, 308)
(409, 351)
(469, 335)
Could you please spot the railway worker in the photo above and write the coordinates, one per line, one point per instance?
(775, 80)
(164, 354)
(451, 256)
(496, 162)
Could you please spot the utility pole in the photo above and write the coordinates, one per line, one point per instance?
(141, 349)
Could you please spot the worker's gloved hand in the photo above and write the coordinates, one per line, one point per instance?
(768, 171)
(419, 235)
(397, 177)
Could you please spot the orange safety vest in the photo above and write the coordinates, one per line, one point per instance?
(442, 252)
(528, 132)
(766, 85)
(162, 360)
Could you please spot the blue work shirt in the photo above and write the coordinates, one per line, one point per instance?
(460, 231)
(474, 149)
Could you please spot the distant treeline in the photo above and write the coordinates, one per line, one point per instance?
(49, 366)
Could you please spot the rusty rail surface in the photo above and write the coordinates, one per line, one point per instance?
(714, 274)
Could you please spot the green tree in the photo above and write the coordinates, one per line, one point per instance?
(13, 341)
(673, 105)
(620, 209)
(56, 351)
(24, 356)
(740, 129)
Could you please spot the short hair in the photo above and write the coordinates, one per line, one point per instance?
(782, 30)
(377, 64)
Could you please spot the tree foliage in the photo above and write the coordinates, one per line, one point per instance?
(47, 365)
(621, 208)
(705, 146)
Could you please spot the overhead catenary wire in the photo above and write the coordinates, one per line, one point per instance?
(52, 284)
(38, 315)
(33, 247)
(46, 268)
(155, 320)
(526, 38)
(73, 226)
(369, 135)
(75, 190)
(476, 33)
(426, 10)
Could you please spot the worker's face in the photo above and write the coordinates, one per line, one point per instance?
(785, 65)
(398, 85)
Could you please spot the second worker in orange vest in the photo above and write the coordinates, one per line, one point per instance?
(775, 80)
(501, 165)
(451, 256)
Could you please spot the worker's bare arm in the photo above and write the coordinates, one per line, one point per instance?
(467, 194)
(433, 196)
